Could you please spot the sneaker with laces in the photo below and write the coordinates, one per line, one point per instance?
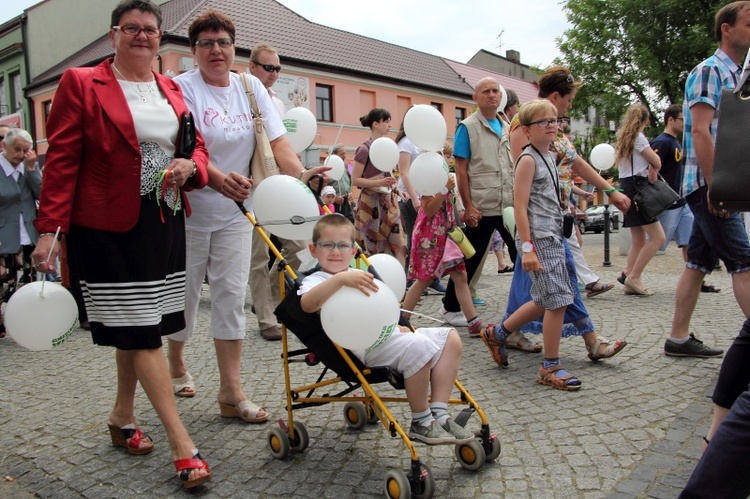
(431, 435)
(693, 347)
(495, 346)
(456, 319)
(462, 434)
(478, 301)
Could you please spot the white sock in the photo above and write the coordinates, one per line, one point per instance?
(439, 412)
(423, 418)
(679, 341)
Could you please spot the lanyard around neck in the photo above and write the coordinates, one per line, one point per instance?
(555, 178)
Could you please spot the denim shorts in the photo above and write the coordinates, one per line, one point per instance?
(677, 224)
(714, 237)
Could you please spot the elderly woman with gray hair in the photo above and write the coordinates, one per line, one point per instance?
(19, 189)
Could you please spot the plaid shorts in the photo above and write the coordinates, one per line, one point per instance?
(550, 286)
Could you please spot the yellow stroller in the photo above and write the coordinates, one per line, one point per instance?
(344, 372)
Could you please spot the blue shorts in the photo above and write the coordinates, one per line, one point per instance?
(677, 224)
(714, 237)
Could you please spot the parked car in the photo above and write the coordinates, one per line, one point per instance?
(595, 218)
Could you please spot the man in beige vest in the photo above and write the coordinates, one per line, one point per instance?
(484, 175)
(264, 284)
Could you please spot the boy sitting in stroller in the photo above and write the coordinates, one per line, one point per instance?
(428, 359)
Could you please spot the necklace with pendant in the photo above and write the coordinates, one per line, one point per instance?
(143, 88)
(223, 107)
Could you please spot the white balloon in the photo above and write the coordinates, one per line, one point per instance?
(337, 166)
(428, 173)
(503, 100)
(286, 207)
(41, 321)
(391, 272)
(357, 321)
(602, 157)
(425, 127)
(384, 154)
(301, 127)
(509, 220)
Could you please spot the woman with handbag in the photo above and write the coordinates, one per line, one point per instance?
(377, 220)
(113, 184)
(218, 234)
(638, 164)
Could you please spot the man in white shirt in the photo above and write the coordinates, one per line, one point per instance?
(264, 285)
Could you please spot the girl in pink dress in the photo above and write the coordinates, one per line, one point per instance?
(434, 254)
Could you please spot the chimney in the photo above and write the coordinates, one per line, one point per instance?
(513, 55)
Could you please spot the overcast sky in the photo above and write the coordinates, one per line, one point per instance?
(451, 29)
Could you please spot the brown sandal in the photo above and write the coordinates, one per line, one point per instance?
(522, 343)
(567, 383)
(609, 351)
(597, 288)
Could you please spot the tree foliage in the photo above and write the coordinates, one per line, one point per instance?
(628, 51)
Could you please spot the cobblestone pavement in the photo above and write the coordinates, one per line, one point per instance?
(632, 431)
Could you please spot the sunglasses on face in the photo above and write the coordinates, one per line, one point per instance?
(269, 67)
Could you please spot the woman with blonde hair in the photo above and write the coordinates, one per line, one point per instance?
(637, 164)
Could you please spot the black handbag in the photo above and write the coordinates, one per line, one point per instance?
(185, 137)
(730, 177)
(652, 198)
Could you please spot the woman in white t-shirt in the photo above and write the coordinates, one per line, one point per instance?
(637, 164)
(218, 234)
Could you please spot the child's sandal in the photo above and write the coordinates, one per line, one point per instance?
(548, 377)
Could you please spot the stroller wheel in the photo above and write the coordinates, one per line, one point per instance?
(494, 451)
(397, 485)
(470, 455)
(278, 441)
(426, 484)
(301, 438)
(355, 415)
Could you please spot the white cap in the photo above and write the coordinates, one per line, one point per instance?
(328, 190)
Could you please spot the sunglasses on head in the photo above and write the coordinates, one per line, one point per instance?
(269, 67)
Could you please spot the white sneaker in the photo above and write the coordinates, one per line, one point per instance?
(456, 319)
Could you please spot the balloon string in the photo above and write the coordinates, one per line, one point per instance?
(421, 315)
(336, 140)
(49, 255)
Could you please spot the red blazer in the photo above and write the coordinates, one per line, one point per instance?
(92, 170)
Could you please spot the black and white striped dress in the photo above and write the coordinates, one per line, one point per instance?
(133, 283)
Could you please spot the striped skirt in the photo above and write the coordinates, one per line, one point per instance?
(133, 282)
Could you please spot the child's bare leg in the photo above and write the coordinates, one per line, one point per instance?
(552, 332)
(418, 390)
(525, 314)
(463, 295)
(412, 296)
(443, 376)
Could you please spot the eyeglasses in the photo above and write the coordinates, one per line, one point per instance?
(330, 245)
(208, 43)
(564, 119)
(269, 67)
(2, 137)
(133, 30)
(544, 123)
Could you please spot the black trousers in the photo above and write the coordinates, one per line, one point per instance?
(479, 237)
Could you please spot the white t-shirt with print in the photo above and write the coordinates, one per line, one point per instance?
(229, 139)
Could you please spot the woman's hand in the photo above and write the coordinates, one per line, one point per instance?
(41, 252)
(181, 170)
(620, 200)
(387, 182)
(236, 187)
(451, 184)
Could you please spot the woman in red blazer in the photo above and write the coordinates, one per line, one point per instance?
(113, 187)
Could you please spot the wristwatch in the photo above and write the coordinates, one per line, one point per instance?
(527, 247)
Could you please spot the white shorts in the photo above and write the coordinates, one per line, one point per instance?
(223, 256)
(407, 353)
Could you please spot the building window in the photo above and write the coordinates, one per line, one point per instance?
(16, 92)
(3, 99)
(460, 115)
(437, 106)
(46, 108)
(324, 102)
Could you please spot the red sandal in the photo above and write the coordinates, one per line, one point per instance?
(130, 439)
(186, 466)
